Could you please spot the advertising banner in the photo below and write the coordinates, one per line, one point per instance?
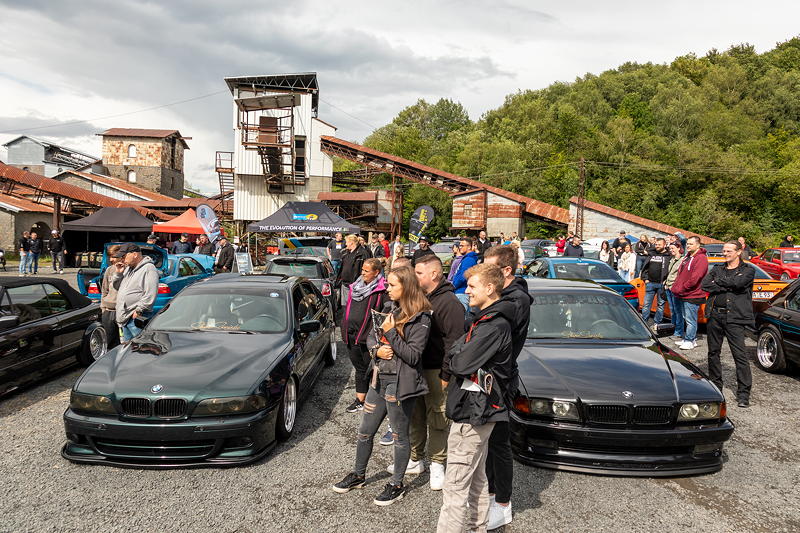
(420, 221)
(208, 219)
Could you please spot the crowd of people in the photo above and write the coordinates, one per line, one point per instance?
(31, 246)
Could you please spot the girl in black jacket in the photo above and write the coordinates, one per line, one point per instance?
(397, 380)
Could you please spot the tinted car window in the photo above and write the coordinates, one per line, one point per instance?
(306, 269)
(579, 315)
(793, 302)
(184, 269)
(592, 271)
(29, 302)
(58, 302)
(791, 257)
(5, 306)
(312, 299)
(218, 309)
(194, 266)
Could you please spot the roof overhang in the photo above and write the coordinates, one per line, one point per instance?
(301, 82)
(268, 101)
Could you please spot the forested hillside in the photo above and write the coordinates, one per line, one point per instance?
(710, 144)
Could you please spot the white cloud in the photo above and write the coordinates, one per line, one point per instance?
(68, 60)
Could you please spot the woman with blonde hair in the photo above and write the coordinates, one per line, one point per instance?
(627, 263)
(397, 380)
(398, 252)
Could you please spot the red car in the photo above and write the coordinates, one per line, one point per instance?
(780, 263)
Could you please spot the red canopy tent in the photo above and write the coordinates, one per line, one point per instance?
(185, 223)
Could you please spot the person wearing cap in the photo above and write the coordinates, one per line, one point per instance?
(619, 243)
(183, 246)
(225, 256)
(56, 247)
(423, 249)
(136, 281)
(152, 239)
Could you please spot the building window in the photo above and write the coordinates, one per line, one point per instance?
(467, 210)
(131, 176)
(25, 168)
(131, 150)
(300, 156)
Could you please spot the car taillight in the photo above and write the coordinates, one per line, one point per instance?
(93, 288)
(326, 289)
(631, 293)
(163, 288)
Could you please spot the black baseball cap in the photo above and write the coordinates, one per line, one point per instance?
(152, 237)
(423, 238)
(127, 248)
(185, 235)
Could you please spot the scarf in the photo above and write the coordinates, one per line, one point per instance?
(360, 290)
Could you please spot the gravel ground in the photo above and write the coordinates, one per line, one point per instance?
(755, 491)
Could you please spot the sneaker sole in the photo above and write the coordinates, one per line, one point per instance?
(339, 490)
(382, 503)
(386, 443)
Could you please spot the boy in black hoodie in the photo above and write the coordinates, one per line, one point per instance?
(475, 403)
(515, 302)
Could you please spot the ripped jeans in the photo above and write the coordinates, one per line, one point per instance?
(376, 406)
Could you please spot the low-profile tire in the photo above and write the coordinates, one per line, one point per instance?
(769, 350)
(331, 352)
(785, 276)
(287, 410)
(95, 346)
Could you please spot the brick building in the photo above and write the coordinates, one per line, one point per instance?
(152, 159)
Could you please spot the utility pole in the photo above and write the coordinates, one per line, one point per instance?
(581, 199)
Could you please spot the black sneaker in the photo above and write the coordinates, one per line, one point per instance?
(351, 481)
(391, 493)
(743, 402)
(355, 407)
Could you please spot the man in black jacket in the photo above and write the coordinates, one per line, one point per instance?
(36, 246)
(56, 247)
(483, 244)
(574, 248)
(225, 256)
(729, 309)
(183, 246)
(204, 246)
(423, 249)
(654, 272)
(516, 303)
(429, 423)
(475, 403)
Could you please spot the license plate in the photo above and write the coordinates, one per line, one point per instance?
(763, 295)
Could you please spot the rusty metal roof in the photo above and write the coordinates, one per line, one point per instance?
(366, 196)
(136, 132)
(121, 184)
(56, 188)
(14, 203)
(641, 221)
(452, 183)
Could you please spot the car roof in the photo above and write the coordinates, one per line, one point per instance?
(75, 298)
(255, 279)
(537, 284)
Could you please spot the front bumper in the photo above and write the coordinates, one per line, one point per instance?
(674, 451)
(206, 441)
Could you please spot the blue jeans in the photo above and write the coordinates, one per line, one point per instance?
(33, 263)
(690, 315)
(651, 290)
(676, 313)
(640, 259)
(337, 266)
(24, 263)
(130, 330)
(464, 299)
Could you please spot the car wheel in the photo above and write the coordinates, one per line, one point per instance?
(287, 415)
(331, 351)
(785, 276)
(769, 352)
(94, 347)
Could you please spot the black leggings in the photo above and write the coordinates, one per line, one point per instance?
(359, 356)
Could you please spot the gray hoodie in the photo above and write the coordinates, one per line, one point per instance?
(136, 289)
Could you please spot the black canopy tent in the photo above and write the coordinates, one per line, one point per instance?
(303, 217)
(89, 234)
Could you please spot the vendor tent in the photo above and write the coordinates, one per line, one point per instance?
(112, 220)
(185, 223)
(304, 216)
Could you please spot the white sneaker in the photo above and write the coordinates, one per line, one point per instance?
(499, 515)
(437, 476)
(414, 467)
(687, 345)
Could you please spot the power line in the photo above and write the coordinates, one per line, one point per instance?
(374, 128)
(710, 170)
(54, 125)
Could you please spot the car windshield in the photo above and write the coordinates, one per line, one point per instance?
(791, 257)
(584, 315)
(442, 248)
(314, 251)
(218, 309)
(599, 272)
(305, 269)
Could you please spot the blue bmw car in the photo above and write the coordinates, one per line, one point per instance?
(177, 271)
(579, 268)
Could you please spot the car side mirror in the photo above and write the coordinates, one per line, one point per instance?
(8, 322)
(664, 330)
(309, 326)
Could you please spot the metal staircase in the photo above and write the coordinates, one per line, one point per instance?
(224, 167)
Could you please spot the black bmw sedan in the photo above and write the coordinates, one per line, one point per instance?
(215, 378)
(45, 326)
(599, 393)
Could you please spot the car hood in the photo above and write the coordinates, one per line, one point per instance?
(601, 371)
(186, 364)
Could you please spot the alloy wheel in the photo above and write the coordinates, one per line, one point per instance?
(767, 349)
(785, 276)
(98, 343)
(289, 405)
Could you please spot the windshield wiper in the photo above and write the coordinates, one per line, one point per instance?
(241, 332)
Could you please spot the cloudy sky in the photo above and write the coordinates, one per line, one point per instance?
(70, 69)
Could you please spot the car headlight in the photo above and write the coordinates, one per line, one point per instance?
(233, 405)
(557, 409)
(690, 412)
(91, 403)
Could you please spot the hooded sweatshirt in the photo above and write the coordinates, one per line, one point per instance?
(446, 327)
(486, 346)
(515, 305)
(688, 283)
(468, 261)
(136, 289)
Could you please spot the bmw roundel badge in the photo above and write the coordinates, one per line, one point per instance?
(156, 388)
(626, 393)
